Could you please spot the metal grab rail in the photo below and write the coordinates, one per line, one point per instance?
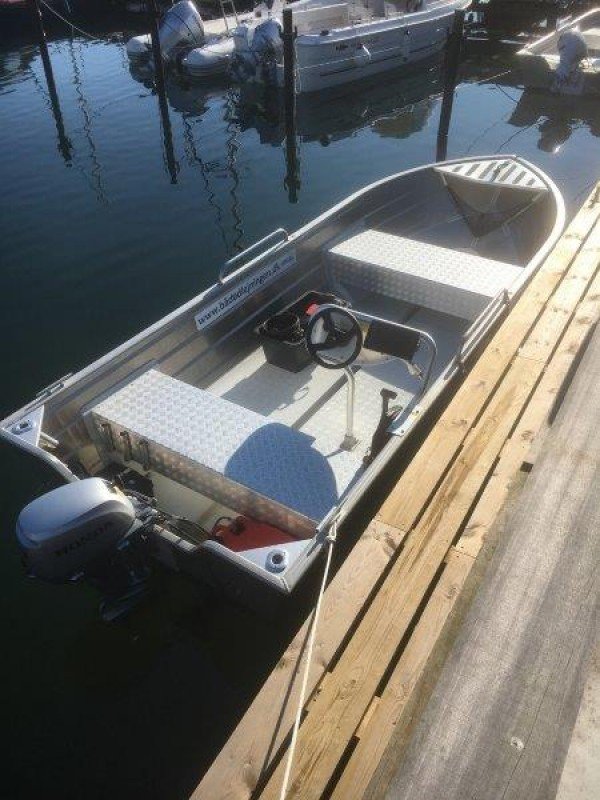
(280, 234)
(433, 352)
(400, 326)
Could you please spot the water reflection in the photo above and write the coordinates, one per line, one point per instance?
(77, 64)
(398, 106)
(145, 74)
(16, 66)
(395, 108)
(556, 117)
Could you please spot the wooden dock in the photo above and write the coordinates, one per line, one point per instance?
(392, 612)
(500, 721)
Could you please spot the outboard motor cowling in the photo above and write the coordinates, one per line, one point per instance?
(180, 27)
(65, 531)
(256, 52)
(573, 50)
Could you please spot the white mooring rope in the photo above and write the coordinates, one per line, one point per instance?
(331, 537)
(68, 22)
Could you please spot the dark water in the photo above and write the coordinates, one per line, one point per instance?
(103, 230)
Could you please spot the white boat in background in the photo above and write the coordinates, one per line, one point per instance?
(566, 61)
(228, 438)
(339, 42)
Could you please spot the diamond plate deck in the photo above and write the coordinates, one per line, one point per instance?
(450, 281)
(241, 459)
(500, 171)
(283, 396)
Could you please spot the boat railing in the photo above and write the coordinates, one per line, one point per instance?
(477, 329)
(271, 241)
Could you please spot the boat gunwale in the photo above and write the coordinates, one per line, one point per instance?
(380, 24)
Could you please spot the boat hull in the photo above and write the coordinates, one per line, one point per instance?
(214, 58)
(537, 72)
(332, 58)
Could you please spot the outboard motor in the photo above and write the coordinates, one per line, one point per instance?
(89, 530)
(257, 50)
(180, 28)
(573, 50)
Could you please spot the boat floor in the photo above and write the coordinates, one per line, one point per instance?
(314, 399)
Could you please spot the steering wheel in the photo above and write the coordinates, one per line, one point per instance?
(333, 337)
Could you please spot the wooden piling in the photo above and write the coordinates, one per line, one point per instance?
(452, 60)
(64, 143)
(159, 82)
(288, 35)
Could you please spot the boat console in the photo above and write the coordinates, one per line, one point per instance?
(283, 335)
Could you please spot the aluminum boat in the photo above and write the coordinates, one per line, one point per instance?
(226, 439)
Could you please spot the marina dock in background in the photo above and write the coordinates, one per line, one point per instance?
(414, 594)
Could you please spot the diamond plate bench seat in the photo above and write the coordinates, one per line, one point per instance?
(257, 467)
(450, 281)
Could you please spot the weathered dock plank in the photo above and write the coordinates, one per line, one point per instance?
(380, 724)
(580, 777)
(364, 761)
(257, 739)
(516, 451)
(500, 719)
